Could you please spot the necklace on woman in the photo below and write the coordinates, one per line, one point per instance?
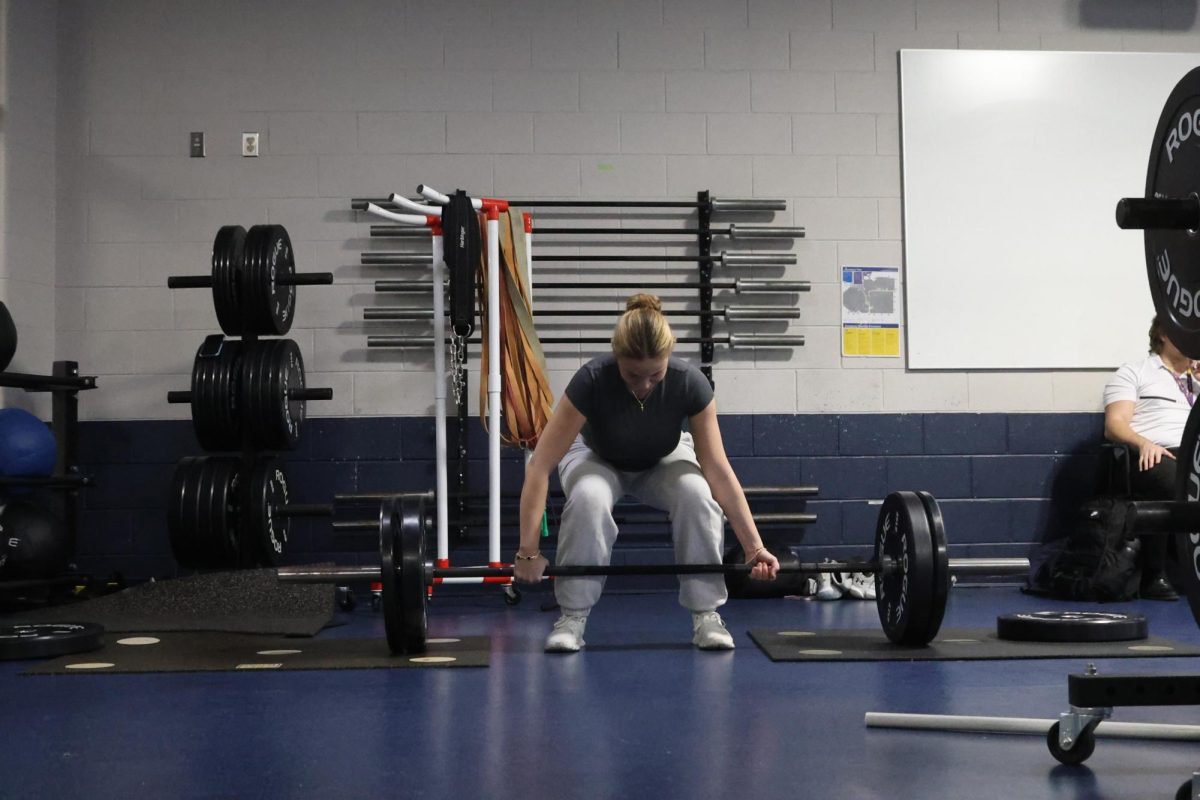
(641, 403)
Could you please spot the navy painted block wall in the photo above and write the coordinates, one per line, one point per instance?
(1004, 480)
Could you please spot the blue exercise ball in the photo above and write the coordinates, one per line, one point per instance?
(26, 444)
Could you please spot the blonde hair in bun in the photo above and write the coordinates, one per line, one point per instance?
(643, 331)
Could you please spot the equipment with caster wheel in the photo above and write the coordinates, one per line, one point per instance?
(1071, 750)
(912, 571)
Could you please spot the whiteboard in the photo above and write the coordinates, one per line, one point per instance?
(1013, 163)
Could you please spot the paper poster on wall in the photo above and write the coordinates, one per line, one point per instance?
(870, 311)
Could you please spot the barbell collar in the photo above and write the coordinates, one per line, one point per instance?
(1163, 516)
(758, 259)
(179, 396)
(736, 232)
(747, 205)
(1159, 213)
(743, 286)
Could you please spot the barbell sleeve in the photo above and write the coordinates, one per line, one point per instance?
(305, 510)
(764, 340)
(306, 279)
(743, 286)
(742, 232)
(1158, 213)
(177, 396)
(758, 259)
(732, 204)
(1163, 516)
(989, 566)
(395, 259)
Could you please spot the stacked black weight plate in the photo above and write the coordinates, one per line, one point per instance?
(266, 528)
(906, 597)
(216, 385)
(272, 368)
(1185, 565)
(202, 514)
(268, 305)
(228, 249)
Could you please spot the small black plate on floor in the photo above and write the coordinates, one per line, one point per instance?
(962, 644)
(240, 652)
(48, 639)
(1072, 626)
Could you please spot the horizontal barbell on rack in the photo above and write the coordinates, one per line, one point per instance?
(733, 340)
(910, 564)
(253, 280)
(727, 313)
(256, 386)
(734, 232)
(713, 204)
(382, 259)
(738, 286)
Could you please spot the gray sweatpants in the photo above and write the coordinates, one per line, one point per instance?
(587, 531)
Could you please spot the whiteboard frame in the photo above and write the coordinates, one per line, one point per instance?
(1012, 165)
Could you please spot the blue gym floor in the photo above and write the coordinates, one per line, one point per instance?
(638, 714)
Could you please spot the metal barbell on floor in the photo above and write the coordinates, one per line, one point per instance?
(910, 563)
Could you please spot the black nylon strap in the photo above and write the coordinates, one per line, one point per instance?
(460, 242)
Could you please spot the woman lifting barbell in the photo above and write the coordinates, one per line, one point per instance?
(617, 430)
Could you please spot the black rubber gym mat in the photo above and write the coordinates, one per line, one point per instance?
(230, 652)
(242, 601)
(962, 644)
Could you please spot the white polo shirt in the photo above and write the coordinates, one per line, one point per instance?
(1160, 407)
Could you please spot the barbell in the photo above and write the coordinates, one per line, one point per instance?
(910, 564)
(737, 286)
(248, 390)
(253, 280)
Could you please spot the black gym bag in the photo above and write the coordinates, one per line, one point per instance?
(1096, 561)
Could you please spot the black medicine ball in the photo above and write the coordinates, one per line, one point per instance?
(33, 542)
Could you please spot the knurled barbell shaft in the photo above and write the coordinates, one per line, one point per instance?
(206, 281)
(786, 518)
(313, 574)
(1159, 213)
(749, 491)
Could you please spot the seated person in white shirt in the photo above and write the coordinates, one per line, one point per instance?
(1146, 405)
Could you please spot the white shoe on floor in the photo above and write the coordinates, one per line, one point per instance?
(709, 632)
(830, 586)
(861, 586)
(567, 636)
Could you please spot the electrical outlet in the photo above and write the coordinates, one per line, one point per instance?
(250, 145)
(197, 144)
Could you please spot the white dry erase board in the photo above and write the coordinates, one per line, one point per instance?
(1013, 163)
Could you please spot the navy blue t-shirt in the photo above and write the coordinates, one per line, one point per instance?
(627, 435)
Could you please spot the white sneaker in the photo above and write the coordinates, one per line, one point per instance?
(861, 586)
(830, 586)
(709, 633)
(567, 636)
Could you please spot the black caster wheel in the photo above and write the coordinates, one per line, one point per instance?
(512, 595)
(346, 599)
(1083, 749)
